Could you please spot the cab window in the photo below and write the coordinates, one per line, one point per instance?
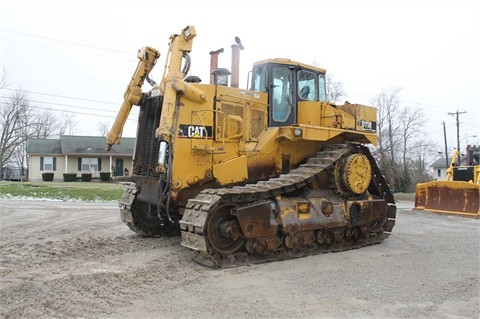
(307, 85)
(322, 89)
(259, 79)
(282, 93)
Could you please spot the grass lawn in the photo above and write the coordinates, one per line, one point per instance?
(71, 191)
(404, 196)
(84, 191)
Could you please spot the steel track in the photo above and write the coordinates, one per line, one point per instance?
(199, 209)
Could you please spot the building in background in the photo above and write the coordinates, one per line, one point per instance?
(77, 154)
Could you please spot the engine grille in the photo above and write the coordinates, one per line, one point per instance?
(146, 145)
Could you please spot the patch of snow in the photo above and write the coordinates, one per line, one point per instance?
(29, 198)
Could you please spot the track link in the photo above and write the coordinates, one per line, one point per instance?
(199, 210)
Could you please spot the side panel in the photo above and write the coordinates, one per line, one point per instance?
(309, 113)
(240, 124)
(192, 142)
(231, 171)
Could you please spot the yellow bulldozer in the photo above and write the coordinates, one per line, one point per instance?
(269, 172)
(458, 194)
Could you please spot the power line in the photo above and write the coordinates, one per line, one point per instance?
(74, 112)
(66, 105)
(33, 101)
(69, 50)
(63, 96)
(62, 74)
(77, 112)
(66, 42)
(114, 82)
(130, 55)
(65, 49)
(431, 106)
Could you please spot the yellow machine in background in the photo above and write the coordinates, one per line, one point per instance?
(459, 194)
(271, 172)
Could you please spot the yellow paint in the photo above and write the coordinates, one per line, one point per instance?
(133, 94)
(231, 171)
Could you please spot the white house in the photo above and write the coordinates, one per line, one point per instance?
(78, 154)
(440, 167)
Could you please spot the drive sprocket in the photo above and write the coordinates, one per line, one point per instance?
(353, 174)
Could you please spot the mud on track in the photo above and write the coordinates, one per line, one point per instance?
(78, 260)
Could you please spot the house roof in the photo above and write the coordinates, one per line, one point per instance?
(79, 145)
(44, 146)
(440, 163)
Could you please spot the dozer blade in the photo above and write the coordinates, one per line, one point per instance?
(449, 197)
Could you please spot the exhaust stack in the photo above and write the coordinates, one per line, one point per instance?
(214, 62)
(236, 62)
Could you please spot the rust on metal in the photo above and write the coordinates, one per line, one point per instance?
(288, 216)
(449, 197)
(257, 220)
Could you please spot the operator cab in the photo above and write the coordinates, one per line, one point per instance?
(288, 83)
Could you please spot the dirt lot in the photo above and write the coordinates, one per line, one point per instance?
(78, 260)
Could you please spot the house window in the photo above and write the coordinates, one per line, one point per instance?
(48, 163)
(90, 164)
(439, 173)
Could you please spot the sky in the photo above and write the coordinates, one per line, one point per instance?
(79, 56)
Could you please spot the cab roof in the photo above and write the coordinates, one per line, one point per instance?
(290, 62)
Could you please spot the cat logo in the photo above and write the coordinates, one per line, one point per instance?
(194, 131)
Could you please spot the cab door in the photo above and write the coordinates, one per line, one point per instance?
(282, 97)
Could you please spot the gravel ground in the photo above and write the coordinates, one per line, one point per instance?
(78, 260)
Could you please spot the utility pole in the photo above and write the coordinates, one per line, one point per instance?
(446, 149)
(458, 130)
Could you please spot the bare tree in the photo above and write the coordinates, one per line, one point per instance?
(68, 124)
(387, 103)
(20, 121)
(390, 140)
(46, 124)
(423, 153)
(411, 121)
(103, 127)
(3, 79)
(40, 124)
(335, 89)
(402, 150)
(14, 111)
